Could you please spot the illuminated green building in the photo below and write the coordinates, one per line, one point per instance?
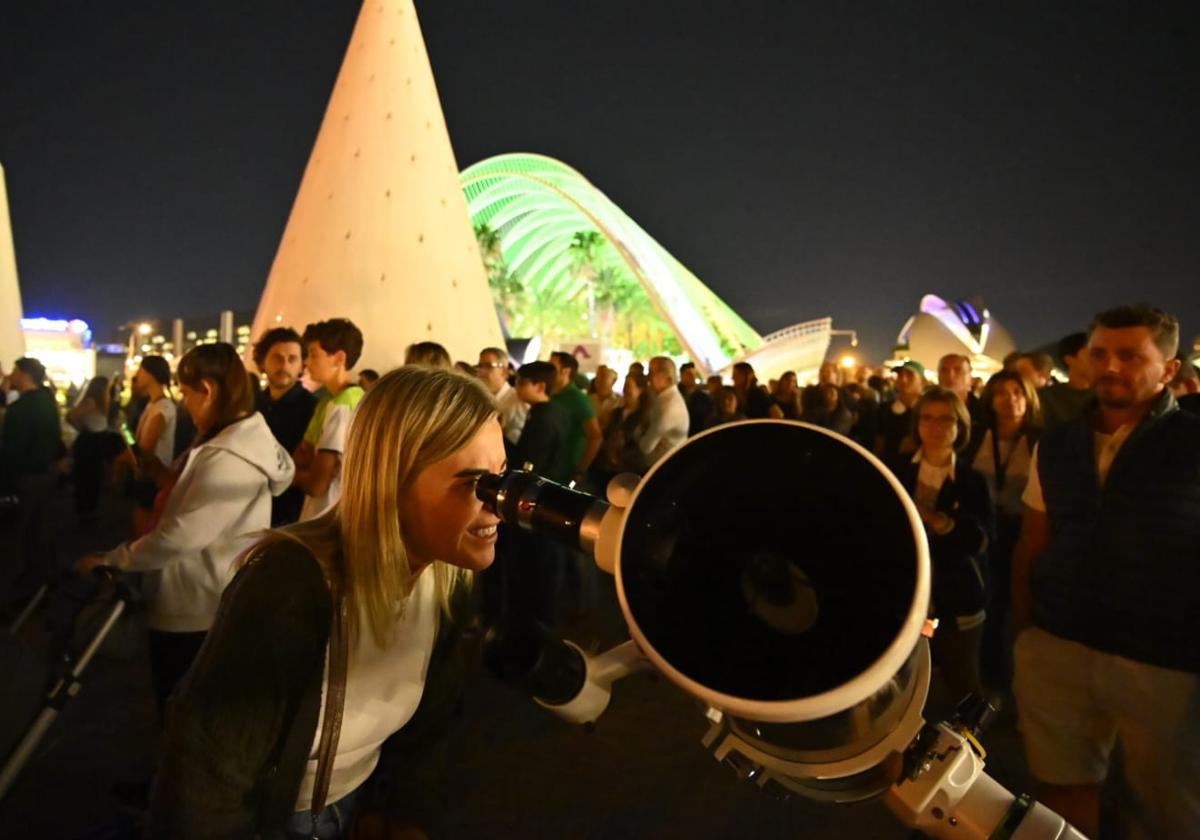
(564, 261)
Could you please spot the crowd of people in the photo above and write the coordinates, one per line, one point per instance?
(311, 547)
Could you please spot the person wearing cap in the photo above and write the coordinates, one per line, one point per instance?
(895, 416)
(30, 446)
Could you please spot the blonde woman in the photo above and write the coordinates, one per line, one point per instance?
(392, 558)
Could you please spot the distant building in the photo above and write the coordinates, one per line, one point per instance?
(941, 327)
(64, 347)
(171, 338)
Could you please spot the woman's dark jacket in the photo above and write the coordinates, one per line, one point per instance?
(959, 556)
(241, 724)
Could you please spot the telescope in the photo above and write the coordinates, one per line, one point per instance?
(779, 574)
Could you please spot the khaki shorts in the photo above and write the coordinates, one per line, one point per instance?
(1074, 702)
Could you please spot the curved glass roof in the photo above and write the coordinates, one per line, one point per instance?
(537, 206)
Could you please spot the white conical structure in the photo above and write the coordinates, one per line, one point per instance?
(12, 340)
(379, 232)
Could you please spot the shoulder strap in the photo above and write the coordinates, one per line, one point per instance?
(335, 700)
(284, 771)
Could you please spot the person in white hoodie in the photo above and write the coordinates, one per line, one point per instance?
(218, 505)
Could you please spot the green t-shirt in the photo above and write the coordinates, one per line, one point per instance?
(317, 435)
(580, 409)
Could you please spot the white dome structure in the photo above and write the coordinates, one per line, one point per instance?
(966, 327)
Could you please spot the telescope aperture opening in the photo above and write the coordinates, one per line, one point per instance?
(772, 563)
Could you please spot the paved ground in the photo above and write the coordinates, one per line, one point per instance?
(519, 772)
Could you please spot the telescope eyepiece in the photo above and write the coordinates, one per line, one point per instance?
(488, 491)
(526, 500)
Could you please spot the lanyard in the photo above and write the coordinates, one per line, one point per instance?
(1001, 467)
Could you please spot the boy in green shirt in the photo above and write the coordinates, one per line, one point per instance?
(334, 347)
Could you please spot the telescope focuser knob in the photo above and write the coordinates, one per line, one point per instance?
(974, 714)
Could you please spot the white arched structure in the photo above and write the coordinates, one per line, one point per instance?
(537, 205)
(966, 327)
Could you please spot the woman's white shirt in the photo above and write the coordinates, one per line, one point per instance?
(930, 479)
(164, 448)
(383, 689)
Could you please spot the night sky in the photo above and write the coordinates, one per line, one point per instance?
(802, 159)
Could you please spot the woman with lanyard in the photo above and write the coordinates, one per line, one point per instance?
(319, 702)
(954, 505)
(1011, 422)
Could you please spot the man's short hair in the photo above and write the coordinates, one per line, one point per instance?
(501, 355)
(277, 335)
(686, 366)
(428, 354)
(334, 335)
(566, 360)
(1043, 363)
(1070, 345)
(667, 364)
(965, 359)
(744, 367)
(1164, 328)
(32, 368)
(159, 368)
(369, 374)
(542, 372)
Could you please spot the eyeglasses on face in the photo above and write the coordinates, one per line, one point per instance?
(486, 365)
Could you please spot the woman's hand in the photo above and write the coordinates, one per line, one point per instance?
(89, 562)
(938, 522)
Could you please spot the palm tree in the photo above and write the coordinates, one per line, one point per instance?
(613, 290)
(508, 293)
(584, 248)
(489, 247)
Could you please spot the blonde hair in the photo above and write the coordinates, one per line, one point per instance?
(412, 418)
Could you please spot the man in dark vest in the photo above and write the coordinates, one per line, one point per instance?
(1106, 591)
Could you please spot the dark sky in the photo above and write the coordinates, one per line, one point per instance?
(802, 159)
